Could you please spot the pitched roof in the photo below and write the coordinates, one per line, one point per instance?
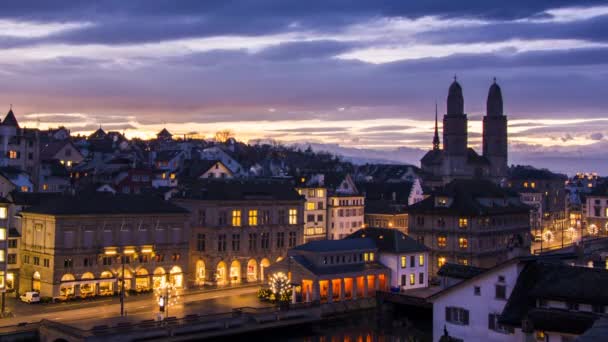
(389, 240)
(196, 168)
(167, 155)
(467, 195)
(343, 245)
(385, 190)
(50, 149)
(334, 269)
(237, 190)
(104, 203)
(554, 281)
(31, 198)
(164, 133)
(459, 271)
(10, 119)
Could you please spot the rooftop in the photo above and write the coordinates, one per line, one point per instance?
(389, 240)
(343, 245)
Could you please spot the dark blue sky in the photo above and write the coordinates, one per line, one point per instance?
(361, 75)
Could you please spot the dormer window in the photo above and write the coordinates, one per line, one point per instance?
(442, 201)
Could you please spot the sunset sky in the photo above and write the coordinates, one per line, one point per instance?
(351, 75)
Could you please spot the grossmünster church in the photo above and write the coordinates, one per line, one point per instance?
(458, 161)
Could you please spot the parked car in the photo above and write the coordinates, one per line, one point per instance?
(31, 297)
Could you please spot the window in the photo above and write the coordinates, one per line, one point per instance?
(320, 193)
(202, 217)
(253, 217)
(421, 260)
(310, 218)
(412, 279)
(280, 239)
(236, 218)
(107, 261)
(442, 241)
(36, 259)
(463, 261)
(13, 154)
(265, 240)
(463, 222)
(371, 256)
(222, 219)
(200, 242)
(441, 261)
(3, 212)
(403, 261)
(293, 216)
(236, 242)
(221, 243)
(2, 234)
(463, 242)
(292, 239)
(412, 261)
(67, 263)
(457, 315)
(310, 206)
(282, 216)
(495, 326)
(477, 290)
(12, 258)
(403, 280)
(501, 291)
(253, 241)
(420, 278)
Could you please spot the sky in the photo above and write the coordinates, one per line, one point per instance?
(355, 77)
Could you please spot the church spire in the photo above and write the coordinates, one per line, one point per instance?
(436, 136)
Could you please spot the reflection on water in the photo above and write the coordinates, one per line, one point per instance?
(360, 327)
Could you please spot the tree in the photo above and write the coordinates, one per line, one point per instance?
(223, 135)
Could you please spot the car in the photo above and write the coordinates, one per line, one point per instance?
(30, 297)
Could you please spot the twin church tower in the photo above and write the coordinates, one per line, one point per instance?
(456, 160)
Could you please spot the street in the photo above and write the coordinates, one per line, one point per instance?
(87, 314)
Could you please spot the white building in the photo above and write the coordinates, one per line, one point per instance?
(345, 209)
(315, 210)
(405, 257)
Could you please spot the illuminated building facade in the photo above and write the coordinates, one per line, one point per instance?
(240, 228)
(76, 245)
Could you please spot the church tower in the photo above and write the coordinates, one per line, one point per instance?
(455, 132)
(495, 134)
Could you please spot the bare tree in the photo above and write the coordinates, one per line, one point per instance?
(223, 135)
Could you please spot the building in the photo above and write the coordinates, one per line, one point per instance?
(532, 182)
(315, 210)
(333, 270)
(6, 281)
(239, 228)
(470, 222)
(406, 258)
(345, 207)
(456, 160)
(386, 214)
(596, 212)
(79, 245)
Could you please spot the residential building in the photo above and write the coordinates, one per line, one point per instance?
(345, 207)
(5, 223)
(315, 210)
(333, 270)
(79, 245)
(201, 169)
(239, 228)
(596, 212)
(471, 222)
(12, 178)
(550, 186)
(405, 257)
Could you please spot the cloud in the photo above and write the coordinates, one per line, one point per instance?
(596, 136)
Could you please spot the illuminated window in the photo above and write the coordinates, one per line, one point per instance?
(236, 218)
(525, 184)
(463, 222)
(463, 262)
(421, 260)
(2, 255)
(366, 256)
(533, 185)
(164, 175)
(463, 242)
(24, 188)
(310, 206)
(403, 262)
(320, 193)
(45, 187)
(253, 217)
(69, 163)
(371, 256)
(442, 241)
(13, 154)
(412, 279)
(293, 216)
(172, 176)
(606, 212)
(3, 212)
(441, 261)
(1, 279)
(2, 234)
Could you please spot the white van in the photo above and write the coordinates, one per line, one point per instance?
(31, 297)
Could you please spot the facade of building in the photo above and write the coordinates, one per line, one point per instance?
(79, 245)
(470, 222)
(315, 209)
(596, 212)
(456, 160)
(406, 258)
(333, 270)
(345, 209)
(240, 228)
